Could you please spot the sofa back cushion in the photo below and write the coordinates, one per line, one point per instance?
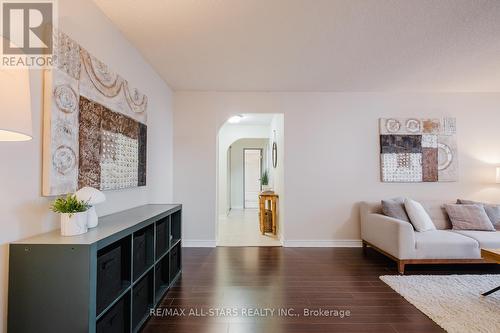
(438, 214)
(493, 211)
(469, 217)
(370, 208)
(395, 208)
(435, 209)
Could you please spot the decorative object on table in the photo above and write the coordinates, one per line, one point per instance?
(94, 124)
(267, 192)
(268, 202)
(73, 214)
(275, 152)
(92, 197)
(452, 301)
(418, 150)
(15, 113)
(264, 181)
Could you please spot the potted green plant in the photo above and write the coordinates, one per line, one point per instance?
(264, 181)
(73, 214)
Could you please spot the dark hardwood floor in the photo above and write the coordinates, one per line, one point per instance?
(246, 278)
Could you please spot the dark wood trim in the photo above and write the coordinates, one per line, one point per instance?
(403, 262)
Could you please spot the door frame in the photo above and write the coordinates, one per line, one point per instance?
(261, 158)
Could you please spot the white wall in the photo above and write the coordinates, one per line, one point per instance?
(23, 211)
(237, 177)
(331, 154)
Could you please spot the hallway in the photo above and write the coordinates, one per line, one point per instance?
(241, 228)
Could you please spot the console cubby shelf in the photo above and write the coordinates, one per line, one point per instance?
(102, 281)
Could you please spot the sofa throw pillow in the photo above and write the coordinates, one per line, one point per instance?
(395, 208)
(469, 217)
(493, 211)
(418, 216)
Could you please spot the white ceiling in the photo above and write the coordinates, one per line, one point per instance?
(316, 45)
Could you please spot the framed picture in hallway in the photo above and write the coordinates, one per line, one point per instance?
(275, 155)
(414, 150)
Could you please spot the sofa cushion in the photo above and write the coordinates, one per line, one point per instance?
(493, 211)
(395, 208)
(438, 214)
(418, 216)
(469, 217)
(486, 240)
(445, 244)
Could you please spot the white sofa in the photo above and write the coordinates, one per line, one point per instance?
(398, 240)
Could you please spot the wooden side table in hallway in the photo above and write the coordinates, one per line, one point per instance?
(268, 200)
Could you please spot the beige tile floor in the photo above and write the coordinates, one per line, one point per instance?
(241, 228)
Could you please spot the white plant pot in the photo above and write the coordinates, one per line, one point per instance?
(74, 224)
(266, 188)
(92, 219)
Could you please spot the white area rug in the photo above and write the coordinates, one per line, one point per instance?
(454, 302)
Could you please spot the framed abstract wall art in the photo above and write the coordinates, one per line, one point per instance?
(414, 150)
(95, 124)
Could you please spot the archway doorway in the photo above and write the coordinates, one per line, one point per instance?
(245, 160)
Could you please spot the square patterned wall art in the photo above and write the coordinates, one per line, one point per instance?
(94, 124)
(418, 150)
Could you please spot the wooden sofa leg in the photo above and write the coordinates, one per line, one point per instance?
(401, 267)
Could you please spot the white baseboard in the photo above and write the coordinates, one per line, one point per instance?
(286, 243)
(197, 243)
(323, 243)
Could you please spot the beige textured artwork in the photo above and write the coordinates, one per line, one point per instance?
(447, 159)
(417, 150)
(72, 158)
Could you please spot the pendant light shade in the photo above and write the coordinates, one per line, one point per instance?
(15, 104)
